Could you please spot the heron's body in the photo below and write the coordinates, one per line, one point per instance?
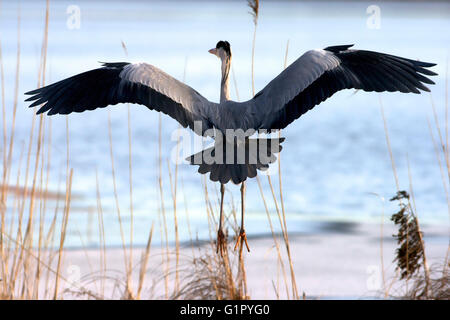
(311, 79)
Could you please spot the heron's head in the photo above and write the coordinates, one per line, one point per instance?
(222, 50)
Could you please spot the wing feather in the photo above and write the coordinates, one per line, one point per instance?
(122, 82)
(318, 74)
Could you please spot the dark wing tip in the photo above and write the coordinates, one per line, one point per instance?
(32, 98)
(425, 64)
(339, 48)
(431, 73)
(35, 91)
(114, 64)
(42, 109)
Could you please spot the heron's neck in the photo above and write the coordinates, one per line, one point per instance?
(224, 84)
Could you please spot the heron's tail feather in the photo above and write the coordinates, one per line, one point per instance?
(237, 162)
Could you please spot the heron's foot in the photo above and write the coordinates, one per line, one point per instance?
(221, 242)
(241, 239)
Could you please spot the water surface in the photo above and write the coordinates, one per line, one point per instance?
(335, 163)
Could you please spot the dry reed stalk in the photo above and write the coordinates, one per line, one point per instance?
(46, 189)
(51, 231)
(2, 79)
(49, 241)
(128, 290)
(446, 106)
(144, 261)
(6, 165)
(436, 149)
(187, 215)
(275, 240)
(101, 233)
(63, 233)
(28, 238)
(130, 170)
(166, 258)
(391, 157)
(4, 266)
(446, 263)
(16, 93)
(444, 149)
(283, 225)
(254, 6)
(41, 217)
(15, 205)
(446, 114)
(69, 175)
(4, 271)
(422, 243)
(383, 275)
(17, 263)
(388, 143)
(40, 142)
(173, 188)
(443, 143)
(291, 266)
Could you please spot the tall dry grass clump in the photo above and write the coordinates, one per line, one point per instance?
(28, 265)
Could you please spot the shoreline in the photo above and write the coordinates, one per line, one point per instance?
(317, 227)
(335, 265)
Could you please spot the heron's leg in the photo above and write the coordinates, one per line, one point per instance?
(221, 241)
(242, 238)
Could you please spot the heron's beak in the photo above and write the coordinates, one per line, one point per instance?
(213, 51)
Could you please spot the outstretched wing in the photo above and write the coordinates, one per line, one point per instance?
(318, 74)
(122, 82)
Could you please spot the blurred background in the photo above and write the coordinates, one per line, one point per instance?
(335, 164)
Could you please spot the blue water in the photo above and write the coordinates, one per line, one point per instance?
(335, 157)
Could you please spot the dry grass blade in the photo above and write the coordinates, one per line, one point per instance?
(275, 240)
(388, 143)
(162, 211)
(119, 215)
(63, 232)
(101, 233)
(144, 261)
(130, 170)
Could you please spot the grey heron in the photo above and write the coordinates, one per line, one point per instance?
(310, 80)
